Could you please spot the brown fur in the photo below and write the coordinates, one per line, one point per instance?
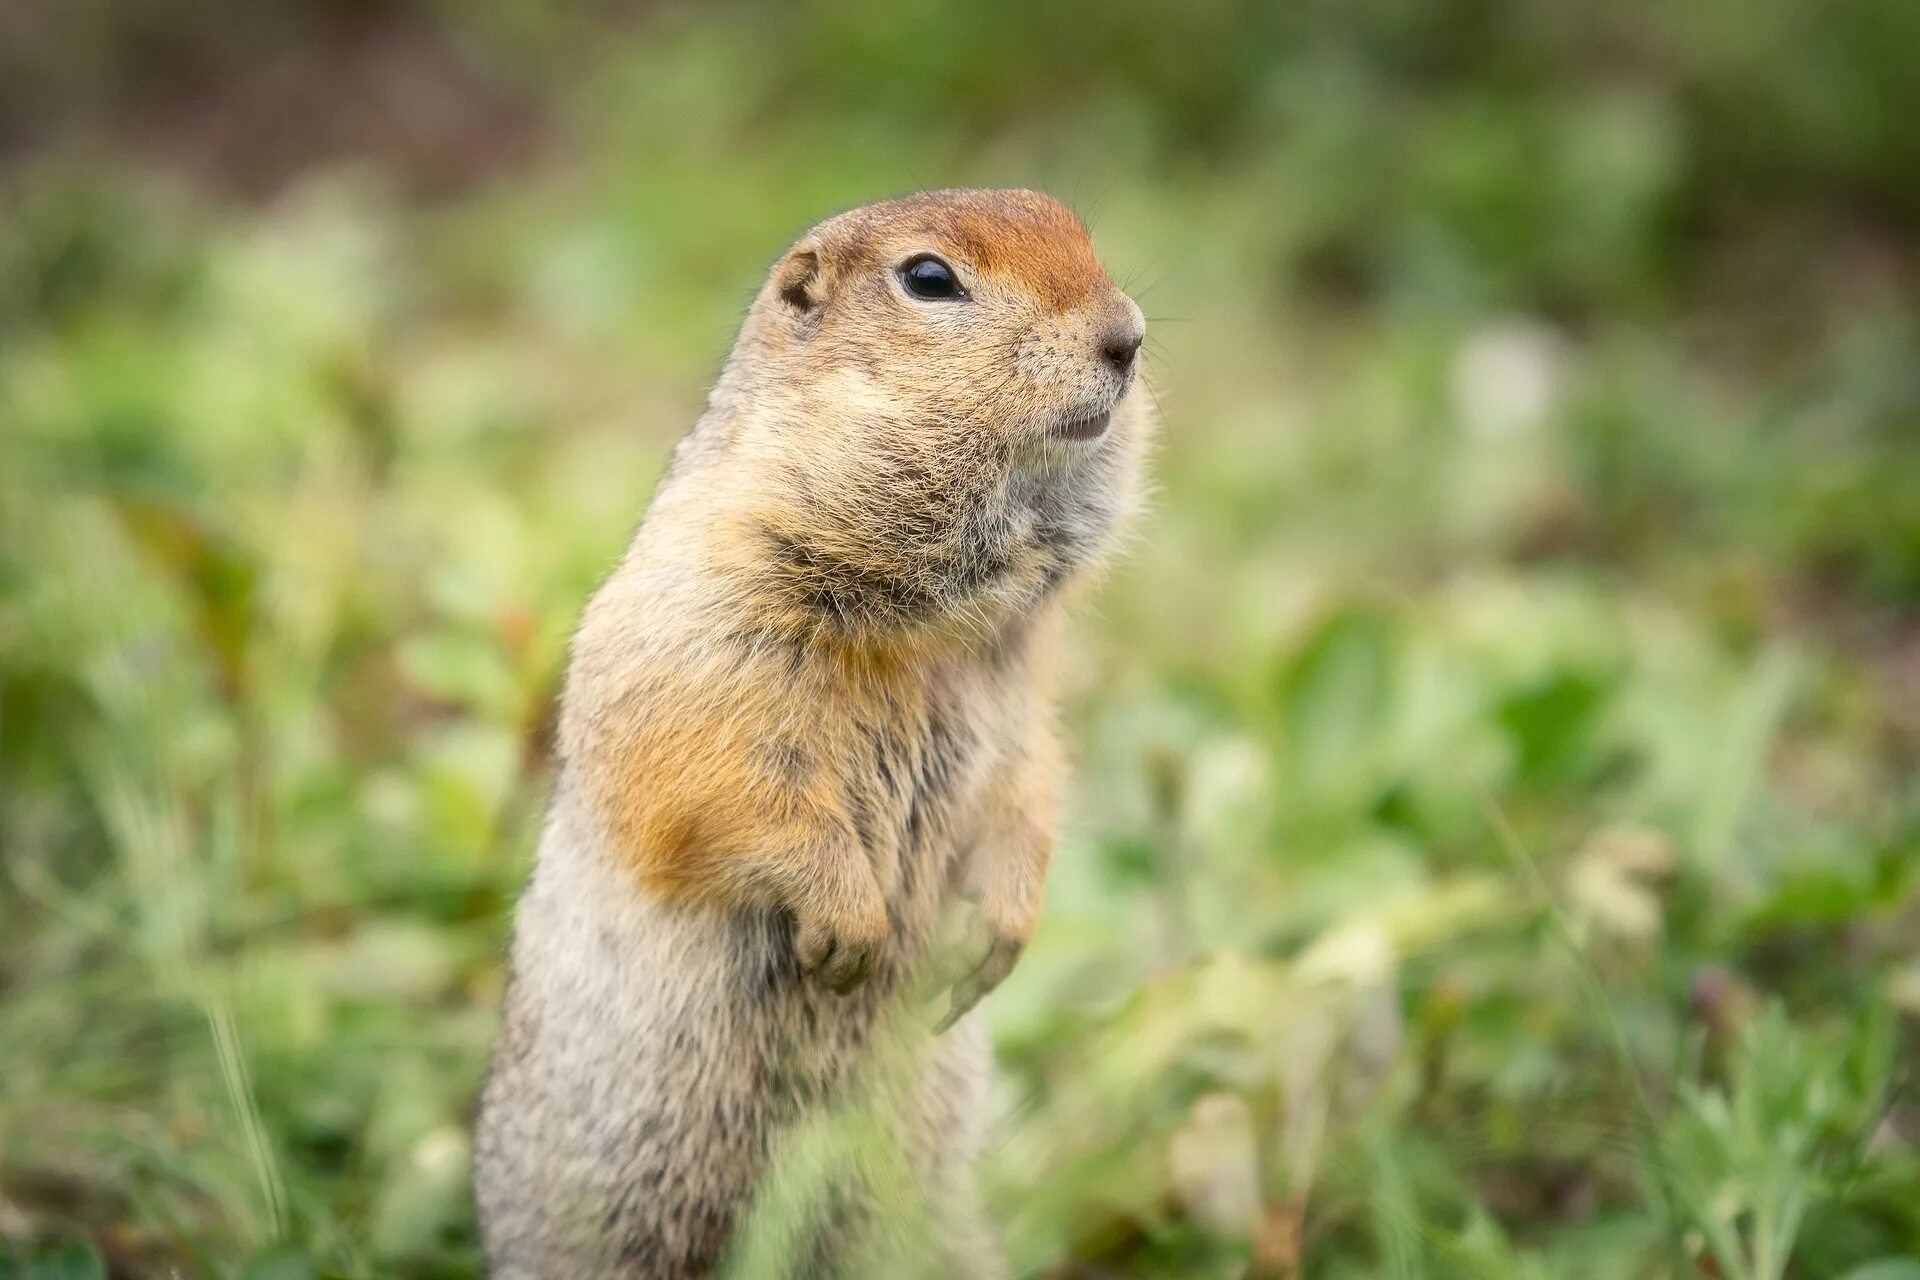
(815, 696)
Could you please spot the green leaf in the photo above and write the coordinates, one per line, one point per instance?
(1551, 724)
(1887, 1269)
(1336, 696)
(279, 1262)
(74, 1260)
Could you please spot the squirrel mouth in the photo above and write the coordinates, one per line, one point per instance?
(1086, 426)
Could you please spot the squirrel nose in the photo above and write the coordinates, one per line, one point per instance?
(1120, 346)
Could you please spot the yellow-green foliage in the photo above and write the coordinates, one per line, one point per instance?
(1492, 842)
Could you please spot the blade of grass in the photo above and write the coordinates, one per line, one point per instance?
(1646, 1125)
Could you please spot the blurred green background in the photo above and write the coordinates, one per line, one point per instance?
(1492, 846)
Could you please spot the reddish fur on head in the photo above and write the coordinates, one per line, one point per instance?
(1022, 237)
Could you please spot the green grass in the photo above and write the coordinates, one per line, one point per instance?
(1494, 842)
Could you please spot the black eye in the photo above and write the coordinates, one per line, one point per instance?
(928, 277)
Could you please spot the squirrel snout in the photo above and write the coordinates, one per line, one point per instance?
(1120, 344)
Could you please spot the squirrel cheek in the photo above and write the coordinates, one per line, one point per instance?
(1043, 356)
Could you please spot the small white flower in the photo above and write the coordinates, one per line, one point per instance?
(1507, 378)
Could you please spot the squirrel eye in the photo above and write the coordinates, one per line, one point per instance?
(928, 277)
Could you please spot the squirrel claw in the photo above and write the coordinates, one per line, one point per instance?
(973, 987)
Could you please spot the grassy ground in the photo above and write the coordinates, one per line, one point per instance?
(1494, 847)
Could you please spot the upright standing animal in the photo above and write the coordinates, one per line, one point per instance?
(807, 715)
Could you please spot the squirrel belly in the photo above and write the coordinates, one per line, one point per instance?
(657, 1056)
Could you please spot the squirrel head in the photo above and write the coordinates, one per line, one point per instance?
(931, 414)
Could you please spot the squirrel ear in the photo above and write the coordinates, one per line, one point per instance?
(796, 281)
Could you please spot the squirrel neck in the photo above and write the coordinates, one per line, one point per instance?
(884, 558)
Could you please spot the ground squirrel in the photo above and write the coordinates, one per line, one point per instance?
(806, 719)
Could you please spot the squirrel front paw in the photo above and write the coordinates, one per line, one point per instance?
(841, 947)
(990, 957)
